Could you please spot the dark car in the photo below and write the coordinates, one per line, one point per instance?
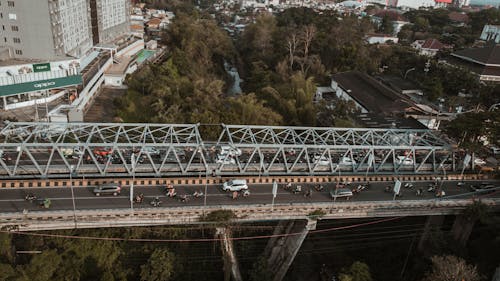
(483, 187)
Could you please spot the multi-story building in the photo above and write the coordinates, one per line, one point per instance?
(56, 29)
(45, 45)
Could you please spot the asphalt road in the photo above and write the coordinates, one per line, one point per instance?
(12, 200)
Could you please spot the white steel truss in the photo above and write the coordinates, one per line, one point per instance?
(40, 150)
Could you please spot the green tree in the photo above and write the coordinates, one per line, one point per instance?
(159, 267)
(42, 266)
(386, 25)
(358, 271)
(451, 268)
(247, 109)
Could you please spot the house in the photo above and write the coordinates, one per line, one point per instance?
(484, 62)
(458, 18)
(491, 33)
(429, 47)
(154, 23)
(381, 38)
(378, 103)
(402, 86)
(368, 94)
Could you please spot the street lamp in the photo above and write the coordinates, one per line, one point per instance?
(132, 162)
(444, 175)
(72, 170)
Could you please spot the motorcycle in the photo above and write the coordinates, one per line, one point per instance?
(30, 197)
(319, 187)
(431, 188)
(408, 185)
(420, 192)
(440, 194)
(359, 188)
(184, 198)
(308, 193)
(44, 203)
(287, 186)
(388, 189)
(297, 190)
(197, 194)
(171, 193)
(139, 198)
(156, 202)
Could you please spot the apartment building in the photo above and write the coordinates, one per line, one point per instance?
(57, 29)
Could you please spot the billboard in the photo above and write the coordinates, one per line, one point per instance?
(27, 87)
(41, 67)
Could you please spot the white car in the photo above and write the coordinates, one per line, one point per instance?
(225, 159)
(479, 162)
(229, 150)
(404, 160)
(235, 185)
(347, 161)
(321, 160)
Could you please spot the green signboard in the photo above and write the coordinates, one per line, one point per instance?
(41, 67)
(40, 85)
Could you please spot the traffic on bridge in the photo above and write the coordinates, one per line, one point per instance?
(19, 200)
(58, 150)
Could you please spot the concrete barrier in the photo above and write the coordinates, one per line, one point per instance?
(27, 183)
(44, 220)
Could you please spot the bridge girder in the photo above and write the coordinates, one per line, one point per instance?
(106, 149)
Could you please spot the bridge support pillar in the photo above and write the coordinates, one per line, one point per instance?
(462, 228)
(432, 224)
(281, 249)
(231, 268)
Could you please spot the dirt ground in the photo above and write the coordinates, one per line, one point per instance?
(103, 109)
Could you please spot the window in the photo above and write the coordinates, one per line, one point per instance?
(16, 40)
(12, 16)
(15, 28)
(19, 52)
(10, 3)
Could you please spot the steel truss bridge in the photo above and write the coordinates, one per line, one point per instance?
(55, 150)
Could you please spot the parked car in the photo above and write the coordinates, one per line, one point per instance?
(341, 193)
(107, 189)
(235, 185)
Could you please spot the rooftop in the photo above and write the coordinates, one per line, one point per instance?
(370, 120)
(371, 94)
(489, 55)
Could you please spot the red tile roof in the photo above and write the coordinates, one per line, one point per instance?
(433, 44)
(458, 17)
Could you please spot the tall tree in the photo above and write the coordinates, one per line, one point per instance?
(160, 266)
(451, 268)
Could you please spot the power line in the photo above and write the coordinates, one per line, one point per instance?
(199, 239)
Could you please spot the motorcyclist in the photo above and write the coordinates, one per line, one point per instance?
(156, 202)
(288, 186)
(30, 197)
(298, 189)
(246, 193)
(308, 193)
(184, 198)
